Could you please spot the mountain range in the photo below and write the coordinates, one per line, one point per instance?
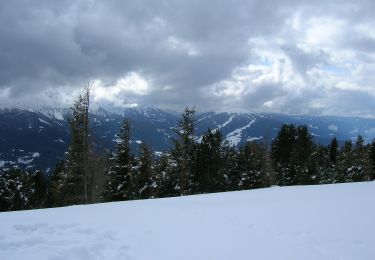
(38, 138)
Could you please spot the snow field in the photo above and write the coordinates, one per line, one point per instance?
(303, 222)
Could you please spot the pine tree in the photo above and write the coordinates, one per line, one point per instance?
(281, 153)
(118, 184)
(17, 190)
(252, 165)
(322, 171)
(302, 150)
(208, 163)
(55, 194)
(75, 181)
(183, 150)
(166, 181)
(39, 198)
(145, 180)
(359, 171)
(230, 176)
(345, 162)
(333, 151)
(290, 152)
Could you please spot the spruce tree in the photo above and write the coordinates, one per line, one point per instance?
(302, 150)
(40, 189)
(166, 181)
(55, 194)
(252, 165)
(75, 186)
(333, 151)
(145, 172)
(183, 150)
(17, 190)
(208, 163)
(281, 153)
(345, 162)
(231, 177)
(118, 184)
(359, 170)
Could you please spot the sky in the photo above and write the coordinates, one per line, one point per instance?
(296, 57)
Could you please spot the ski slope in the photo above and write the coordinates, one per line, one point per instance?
(328, 222)
(234, 137)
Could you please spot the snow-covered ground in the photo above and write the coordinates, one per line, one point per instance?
(303, 222)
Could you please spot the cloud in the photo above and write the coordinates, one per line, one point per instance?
(280, 56)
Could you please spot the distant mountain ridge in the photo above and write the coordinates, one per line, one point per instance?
(37, 138)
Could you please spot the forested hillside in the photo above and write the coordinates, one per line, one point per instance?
(192, 165)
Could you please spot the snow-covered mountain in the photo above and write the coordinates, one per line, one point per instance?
(38, 138)
(322, 222)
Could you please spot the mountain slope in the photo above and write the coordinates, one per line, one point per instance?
(289, 223)
(38, 138)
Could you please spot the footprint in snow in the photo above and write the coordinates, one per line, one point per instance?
(64, 241)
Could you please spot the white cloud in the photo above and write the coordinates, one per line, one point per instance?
(296, 57)
(131, 84)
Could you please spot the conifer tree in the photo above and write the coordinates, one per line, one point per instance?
(208, 162)
(321, 169)
(55, 194)
(166, 181)
(281, 154)
(145, 172)
(40, 189)
(17, 189)
(231, 176)
(359, 170)
(77, 177)
(302, 150)
(118, 185)
(183, 150)
(252, 165)
(333, 151)
(345, 161)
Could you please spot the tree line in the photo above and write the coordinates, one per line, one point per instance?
(188, 167)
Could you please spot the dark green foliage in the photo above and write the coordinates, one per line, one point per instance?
(55, 194)
(73, 179)
(189, 167)
(252, 165)
(18, 190)
(166, 182)
(231, 176)
(291, 151)
(145, 181)
(282, 146)
(183, 152)
(321, 168)
(359, 170)
(39, 198)
(208, 162)
(118, 183)
(302, 150)
(333, 150)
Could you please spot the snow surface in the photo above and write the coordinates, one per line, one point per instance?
(325, 222)
(225, 123)
(234, 137)
(43, 121)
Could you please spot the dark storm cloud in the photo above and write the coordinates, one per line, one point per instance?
(183, 49)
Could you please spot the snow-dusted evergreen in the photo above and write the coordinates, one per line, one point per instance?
(210, 163)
